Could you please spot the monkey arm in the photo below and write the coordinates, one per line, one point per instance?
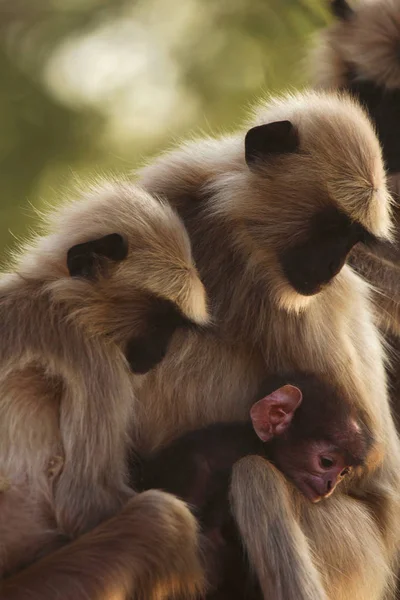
(277, 542)
(384, 276)
(261, 505)
(381, 273)
(149, 547)
(95, 406)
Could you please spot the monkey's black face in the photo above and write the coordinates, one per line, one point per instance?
(159, 317)
(383, 106)
(311, 264)
(146, 351)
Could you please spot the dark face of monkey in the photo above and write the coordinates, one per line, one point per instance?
(315, 443)
(311, 264)
(318, 250)
(157, 318)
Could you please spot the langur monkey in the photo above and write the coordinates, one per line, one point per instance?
(272, 212)
(97, 298)
(359, 53)
(303, 426)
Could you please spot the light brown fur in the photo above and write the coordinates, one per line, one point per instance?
(146, 551)
(366, 40)
(369, 40)
(238, 219)
(67, 395)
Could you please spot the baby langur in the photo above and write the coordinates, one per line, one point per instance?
(305, 428)
(97, 298)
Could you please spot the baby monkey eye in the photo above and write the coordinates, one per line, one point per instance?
(326, 462)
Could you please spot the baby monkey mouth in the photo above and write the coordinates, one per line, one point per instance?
(314, 489)
(309, 491)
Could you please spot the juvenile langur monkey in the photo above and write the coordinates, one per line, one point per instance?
(309, 432)
(272, 212)
(97, 298)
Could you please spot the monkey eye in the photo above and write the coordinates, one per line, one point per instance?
(326, 462)
(345, 471)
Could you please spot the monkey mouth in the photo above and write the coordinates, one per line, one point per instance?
(309, 491)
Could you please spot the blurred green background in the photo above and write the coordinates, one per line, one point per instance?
(96, 86)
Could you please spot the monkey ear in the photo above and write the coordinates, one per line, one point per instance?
(260, 142)
(341, 10)
(147, 350)
(85, 260)
(272, 415)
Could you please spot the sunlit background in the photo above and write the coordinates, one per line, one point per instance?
(96, 86)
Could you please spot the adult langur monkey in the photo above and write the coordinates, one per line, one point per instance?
(272, 216)
(272, 212)
(85, 306)
(359, 52)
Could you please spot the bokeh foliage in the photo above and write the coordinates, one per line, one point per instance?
(95, 86)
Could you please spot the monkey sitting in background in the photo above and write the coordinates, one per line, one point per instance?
(358, 53)
(315, 442)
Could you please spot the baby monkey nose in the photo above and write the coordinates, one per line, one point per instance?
(329, 485)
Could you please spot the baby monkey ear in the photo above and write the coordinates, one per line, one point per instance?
(87, 259)
(263, 141)
(341, 9)
(272, 415)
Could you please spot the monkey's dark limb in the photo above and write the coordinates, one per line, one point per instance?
(381, 273)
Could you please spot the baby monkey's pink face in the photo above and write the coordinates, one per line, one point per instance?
(314, 451)
(315, 467)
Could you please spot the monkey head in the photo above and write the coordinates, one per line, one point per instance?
(316, 455)
(315, 187)
(364, 39)
(360, 52)
(121, 261)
